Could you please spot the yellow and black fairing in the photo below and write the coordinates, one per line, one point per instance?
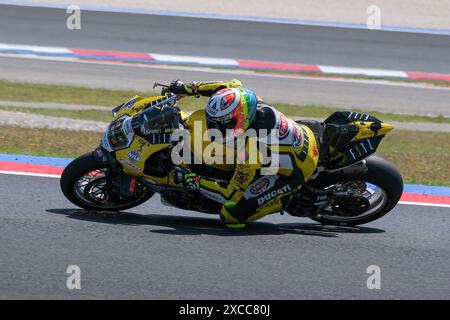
(350, 137)
(142, 147)
(140, 131)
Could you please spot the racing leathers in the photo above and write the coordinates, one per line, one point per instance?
(258, 187)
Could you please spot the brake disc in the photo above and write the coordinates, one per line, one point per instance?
(349, 205)
(101, 190)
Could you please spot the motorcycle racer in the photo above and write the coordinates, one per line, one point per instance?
(251, 194)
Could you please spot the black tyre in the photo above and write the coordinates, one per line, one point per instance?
(90, 184)
(382, 176)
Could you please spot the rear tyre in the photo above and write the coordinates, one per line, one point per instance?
(383, 177)
(90, 184)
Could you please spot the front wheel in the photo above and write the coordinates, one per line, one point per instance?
(363, 197)
(91, 184)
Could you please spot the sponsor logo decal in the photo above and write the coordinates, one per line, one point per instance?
(134, 156)
(360, 116)
(298, 138)
(259, 186)
(272, 204)
(129, 104)
(130, 164)
(241, 178)
(142, 144)
(269, 196)
(132, 185)
(212, 108)
(316, 151)
(284, 127)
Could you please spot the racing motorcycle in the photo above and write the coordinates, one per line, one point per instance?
(133, 162)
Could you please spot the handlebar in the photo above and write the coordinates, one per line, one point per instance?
(157, 84)
(164, 90)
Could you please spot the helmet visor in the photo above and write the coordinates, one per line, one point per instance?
(221, 124)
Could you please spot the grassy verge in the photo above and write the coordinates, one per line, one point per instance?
(58, 143)
(32, 92)
(17, 91)
(97, 115)
(422, 157)
(27, 92)
(314, 111)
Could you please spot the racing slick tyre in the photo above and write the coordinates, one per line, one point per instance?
(379, 190)
(92, 185)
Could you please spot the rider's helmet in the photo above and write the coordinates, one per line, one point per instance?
(233, 109)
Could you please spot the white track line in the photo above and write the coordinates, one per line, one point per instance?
(18, 173)
(44, 175)
(425, 204)
(230, 71)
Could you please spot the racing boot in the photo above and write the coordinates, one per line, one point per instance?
(229, 221)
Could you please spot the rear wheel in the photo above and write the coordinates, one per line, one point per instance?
(362, 197)
(91, 184)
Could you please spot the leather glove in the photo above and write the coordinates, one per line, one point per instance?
(176, 86)
(187, 178)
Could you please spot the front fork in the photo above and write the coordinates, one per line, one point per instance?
(128, 185)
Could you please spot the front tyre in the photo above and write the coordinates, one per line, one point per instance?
(380, 189)
(92, 185)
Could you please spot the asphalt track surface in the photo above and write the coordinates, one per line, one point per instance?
(228, 39)
(154, 251)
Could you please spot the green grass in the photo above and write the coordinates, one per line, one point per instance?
(28, 92)
(18, 91)
(97, 115)
(30, 151)
(60, 143)
(422, 157)
(32, 92)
